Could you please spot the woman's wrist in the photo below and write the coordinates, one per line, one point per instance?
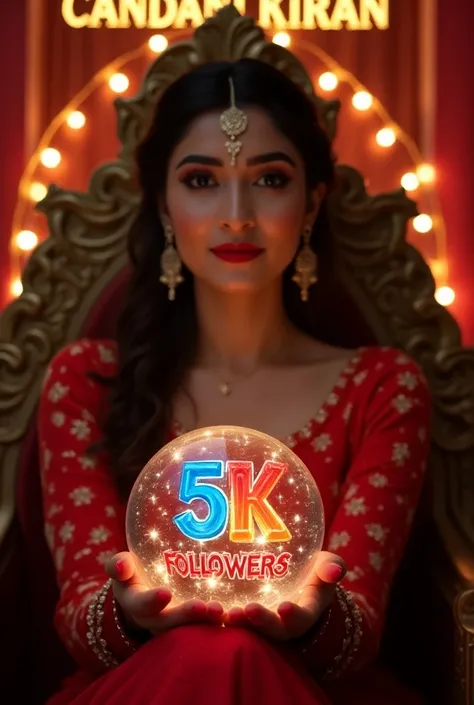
(132, 634)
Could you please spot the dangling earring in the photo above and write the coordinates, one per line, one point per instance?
(306, 265)
(170, 265)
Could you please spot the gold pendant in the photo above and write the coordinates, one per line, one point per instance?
(225, 388)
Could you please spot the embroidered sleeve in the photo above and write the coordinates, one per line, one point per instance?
(84, 521)
(390, 444)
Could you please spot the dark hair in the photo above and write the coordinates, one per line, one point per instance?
(157, 339)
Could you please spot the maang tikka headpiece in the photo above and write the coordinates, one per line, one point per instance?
(233, 122)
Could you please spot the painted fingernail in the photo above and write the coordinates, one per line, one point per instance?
(162, 594)
(334, 572)
(119, 566)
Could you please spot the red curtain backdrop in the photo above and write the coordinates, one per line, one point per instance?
(386, 62)
(454, 149)
(12, 123)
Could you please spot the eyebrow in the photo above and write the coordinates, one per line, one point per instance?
(252, 161)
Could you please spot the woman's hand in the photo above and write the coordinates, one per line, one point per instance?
(145, 609)
(293, 620)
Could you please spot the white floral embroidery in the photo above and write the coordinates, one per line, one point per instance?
(322, 442)
(376, 561)
(332, 399)
(68, 454)
(83, 552)
(354, 574)
(346, 414)
(339, 539)
(400, 453)
(106, 354)
(321, 416)
(76, 350)
(402, 403)
(87, 462)
(110, 511)
(402, 360)
(81, 496)
(342, 382)
(352, 489)
(53, 510)
(59, 558)
(58, 419)
(99, 535)
(104, 556)
(376, 532)
(66, 532)
(87, 586)
(399, 499)
(47, 457)
(355, 506)
(408, 380)
(378, 480)
(57, 392)
(306, 431)
(360, 377)
(80, 429)
(49, 534)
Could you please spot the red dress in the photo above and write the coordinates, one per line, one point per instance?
(366, 447)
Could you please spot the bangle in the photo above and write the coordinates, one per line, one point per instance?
(320, 629)
(352, 635)
(95, 618)
(119, 626)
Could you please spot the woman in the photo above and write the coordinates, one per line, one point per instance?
(220, 327)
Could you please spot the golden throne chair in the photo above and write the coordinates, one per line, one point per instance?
(384, 291)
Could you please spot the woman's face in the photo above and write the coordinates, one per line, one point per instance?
(237, 227)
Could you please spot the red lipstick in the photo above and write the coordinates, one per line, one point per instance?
(237, 252)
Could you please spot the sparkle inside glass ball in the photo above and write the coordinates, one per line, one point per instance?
(226, 513)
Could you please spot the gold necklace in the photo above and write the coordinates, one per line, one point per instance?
(226, 388)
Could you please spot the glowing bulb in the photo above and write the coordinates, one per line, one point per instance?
(426, 173)
(445, 295)
(26, 240)
(119, 83)
(76, 120)
(50, 158)
(423, 223)
(283, 39)
(362, 100)
(16, 287)
(158, 43)
(386, 137)
(328, 81)
(410, 181)
(37, 192)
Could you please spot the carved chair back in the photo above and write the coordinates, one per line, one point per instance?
(382, 290)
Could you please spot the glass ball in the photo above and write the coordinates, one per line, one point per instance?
(225, 513)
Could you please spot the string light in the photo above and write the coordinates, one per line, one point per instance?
(445, 296)
(438, 268)
(328, 81)
(16, 287)
(362, 100)
(37, 191)
(119, 83)
(410, 181)
(76, 120)
(283, 39)
(26, 240)
(50, 158)
(158, 43)
(386, 137)
(426, 173)
(423, 223)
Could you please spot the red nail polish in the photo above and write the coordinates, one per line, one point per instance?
(119, 566)
(334, 572)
